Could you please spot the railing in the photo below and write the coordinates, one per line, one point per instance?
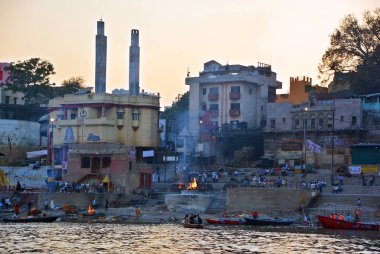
(234, 96)
(234, 112)
(213, 96)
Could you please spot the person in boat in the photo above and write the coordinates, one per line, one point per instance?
(356, 219)
(192, 219)
(341, 217)
(225, 214)
(306, 220)
(348, 217)
(17, 209)
(199, 220)
(186, 219)
(332, 216)
(91, 210)
(335, 216)
(255, 215)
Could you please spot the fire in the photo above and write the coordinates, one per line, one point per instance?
(181, 186)
(193, 185)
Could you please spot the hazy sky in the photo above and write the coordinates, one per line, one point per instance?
(174, 35)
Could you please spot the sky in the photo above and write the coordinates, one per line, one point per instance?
(175, 36)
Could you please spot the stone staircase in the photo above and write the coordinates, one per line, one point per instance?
(326, 204)
(218, 204)
(29, 178)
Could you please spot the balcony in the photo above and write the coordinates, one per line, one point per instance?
(234, 112)
(213, 96)
(235, 96)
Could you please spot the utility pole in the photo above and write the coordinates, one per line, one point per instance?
(304, 141)
(332, 143)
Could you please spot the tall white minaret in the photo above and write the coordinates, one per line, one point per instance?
(101, 59)
(134, 64)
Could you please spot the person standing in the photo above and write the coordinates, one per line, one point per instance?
(359, 202)
(106, 205)
(94, 203)
(138, 213)
(46, 205)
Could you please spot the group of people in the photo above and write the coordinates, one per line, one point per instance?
(193, 219)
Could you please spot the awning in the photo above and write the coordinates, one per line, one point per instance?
(35, 154)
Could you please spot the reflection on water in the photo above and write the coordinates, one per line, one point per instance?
(121, 238)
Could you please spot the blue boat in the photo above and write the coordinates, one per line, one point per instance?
(268, 222)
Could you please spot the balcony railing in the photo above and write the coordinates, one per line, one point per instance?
(213, 96)
(234, 112)
(235, 96)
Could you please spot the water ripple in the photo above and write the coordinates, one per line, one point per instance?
(121, 238)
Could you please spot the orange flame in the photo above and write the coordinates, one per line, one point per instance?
(193, 185)
(181, 186)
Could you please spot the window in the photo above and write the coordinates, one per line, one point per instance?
(353, 121)
(214, 107)
(341, 118)
(312, 123)
(321, 123)
(106, 162)
(180, 143)
(235, 89)
(284, 120)
(235, 106)
(329, 121)
(85, 162)
(120, 115)
(135, 116)
(204, 91)
(214, 90)
(204, 107)
(272, 123)
(130, 166)
(73, 116)
(296, 123)
(7, 99)
(14, 100)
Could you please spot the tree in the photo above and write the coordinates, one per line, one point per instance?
(32, 77)
(178, 112)
(351, 45)
(69, 86)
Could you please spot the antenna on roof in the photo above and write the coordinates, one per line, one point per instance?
(188, 72)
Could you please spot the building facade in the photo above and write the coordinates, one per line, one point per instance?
(229, 94)
(299, 90)
(332, 125)
(94, 135)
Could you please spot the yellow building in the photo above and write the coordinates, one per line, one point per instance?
(99, 135)
(298, 91)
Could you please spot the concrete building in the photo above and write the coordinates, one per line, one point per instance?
(99, 138)
(229, 94)
(334, 125)
(299, 91)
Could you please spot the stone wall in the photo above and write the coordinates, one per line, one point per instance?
(248, 199)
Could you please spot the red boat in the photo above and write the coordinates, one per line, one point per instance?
(226, 221)
(332, 223)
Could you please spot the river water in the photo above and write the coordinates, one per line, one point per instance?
(171, 238)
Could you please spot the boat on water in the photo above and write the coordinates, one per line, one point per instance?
(189, 225)
(32, 219)
(268, 222)
(226, 221)
(332, 223)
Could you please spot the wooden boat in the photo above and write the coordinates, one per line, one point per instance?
(226, 221)
(188, 225)
(332, 223)
(268, 222)
(32, 219)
